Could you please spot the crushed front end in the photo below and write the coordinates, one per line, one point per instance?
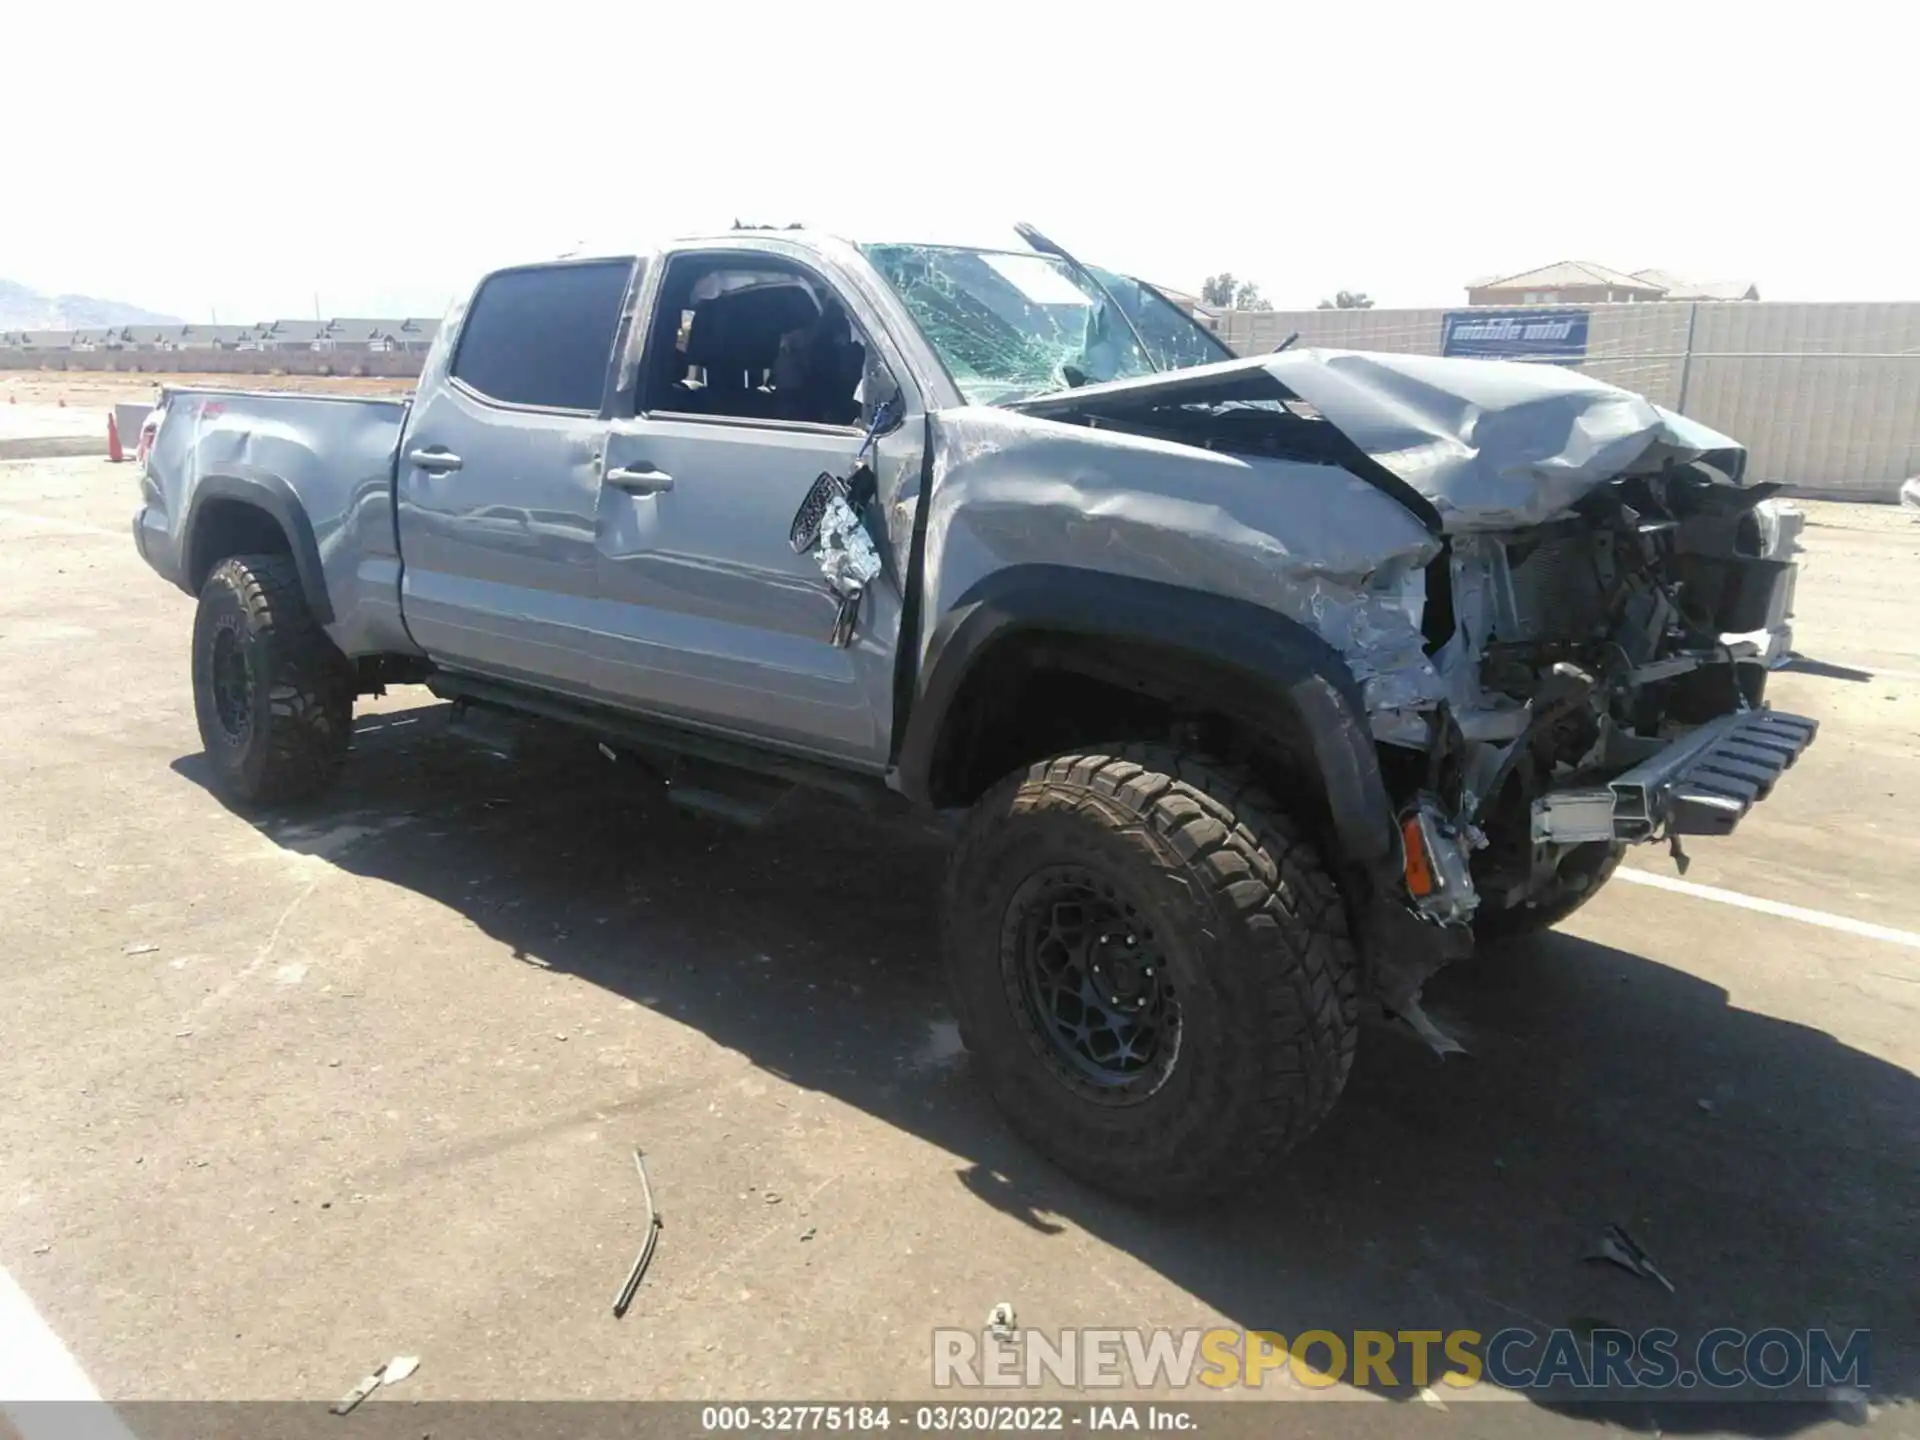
(1595, 681)
(1596, 627)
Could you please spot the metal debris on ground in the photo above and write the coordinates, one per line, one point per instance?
(354, 1396)
(391, 1373)
(1681, 860)
(1417, 1020)
(645, 1257)
(140, 949)
(1000, 1321)
(1617, 1246)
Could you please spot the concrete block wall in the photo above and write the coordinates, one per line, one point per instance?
(393, 363)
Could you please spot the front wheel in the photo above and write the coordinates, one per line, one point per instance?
(273, 696)
(1579, 878)
(1152, 969)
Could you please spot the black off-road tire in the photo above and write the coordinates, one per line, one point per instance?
(1580, 878)
(273, 695)
(1250, 930)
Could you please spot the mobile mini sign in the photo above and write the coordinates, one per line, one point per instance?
(1556, 336)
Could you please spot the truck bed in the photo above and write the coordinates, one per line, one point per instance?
(219, 450)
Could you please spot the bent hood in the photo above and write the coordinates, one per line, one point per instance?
(1485, 444)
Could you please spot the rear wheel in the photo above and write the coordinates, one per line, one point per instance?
(1152, 969)
(273, 696)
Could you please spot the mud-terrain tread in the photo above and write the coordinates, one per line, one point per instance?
(1281, 938)
(310, 692)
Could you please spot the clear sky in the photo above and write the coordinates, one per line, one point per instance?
(379, 156)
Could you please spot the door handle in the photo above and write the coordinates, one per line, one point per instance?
(436, 461)
(646, 481)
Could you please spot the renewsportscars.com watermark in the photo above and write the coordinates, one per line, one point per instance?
(1600, 1359)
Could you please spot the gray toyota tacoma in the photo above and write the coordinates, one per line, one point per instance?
(1257, 687)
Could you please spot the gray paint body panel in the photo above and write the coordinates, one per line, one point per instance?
(336, 453)
(1496, 444)
(500, 561)
(1313, 542)
(1491, 444)
(718, 619)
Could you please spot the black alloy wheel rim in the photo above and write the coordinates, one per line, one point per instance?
(1083, 966)
(232, 684)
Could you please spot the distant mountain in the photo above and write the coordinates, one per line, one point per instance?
(24, 308)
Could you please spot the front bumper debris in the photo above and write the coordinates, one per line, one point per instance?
(1704, 783)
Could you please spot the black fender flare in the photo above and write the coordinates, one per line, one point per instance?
(1279, 668)
(271, 494)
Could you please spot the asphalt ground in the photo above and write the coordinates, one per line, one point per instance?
(285, 1097)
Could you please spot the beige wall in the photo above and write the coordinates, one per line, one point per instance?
(1825, 397)
(392, 363)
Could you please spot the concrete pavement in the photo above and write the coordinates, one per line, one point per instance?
(288, 1097)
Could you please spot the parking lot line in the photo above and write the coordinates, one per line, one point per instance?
(43, 1390)
(1846, 924)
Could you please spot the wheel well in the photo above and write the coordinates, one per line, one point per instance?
(231, 527)
(1037, 694)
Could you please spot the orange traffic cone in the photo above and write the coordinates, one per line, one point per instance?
(114, 452)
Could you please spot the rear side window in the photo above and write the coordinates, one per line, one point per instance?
(543, 336)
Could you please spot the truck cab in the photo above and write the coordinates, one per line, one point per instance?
(620, 531)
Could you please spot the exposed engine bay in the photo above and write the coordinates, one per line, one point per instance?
(1573, 656)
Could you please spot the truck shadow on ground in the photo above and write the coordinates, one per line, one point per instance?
(1768, 1167)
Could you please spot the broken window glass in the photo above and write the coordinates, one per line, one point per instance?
(1174, 338)
(1009, 324)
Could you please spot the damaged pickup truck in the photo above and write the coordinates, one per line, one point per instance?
(1257, 687)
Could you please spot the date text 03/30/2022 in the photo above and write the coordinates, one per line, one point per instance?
(946, 1419)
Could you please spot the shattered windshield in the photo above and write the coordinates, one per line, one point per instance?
(1174, 338)
(1009, 324)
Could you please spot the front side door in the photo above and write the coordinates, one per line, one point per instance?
(756, 375)
(499, 480)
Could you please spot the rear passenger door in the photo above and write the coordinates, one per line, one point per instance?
(499, 482)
